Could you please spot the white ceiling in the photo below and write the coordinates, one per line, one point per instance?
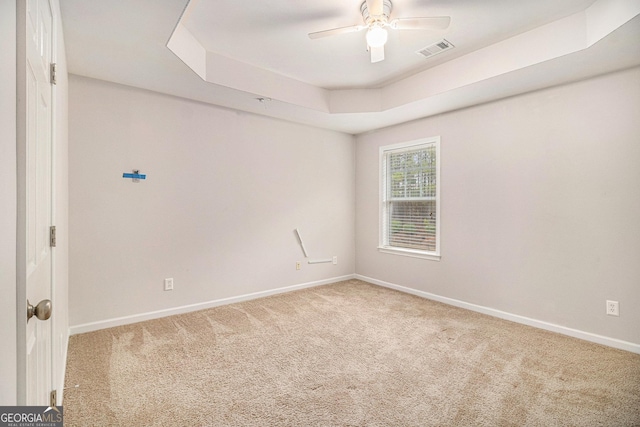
(273, 34)
(241, 51)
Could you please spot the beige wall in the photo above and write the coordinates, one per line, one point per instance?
(540, 206)
(224, 192)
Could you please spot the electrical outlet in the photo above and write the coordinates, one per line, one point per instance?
(168, 284)
(613, 308)
(335, 259)
(298, 265)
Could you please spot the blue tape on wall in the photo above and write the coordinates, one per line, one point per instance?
(134, 175)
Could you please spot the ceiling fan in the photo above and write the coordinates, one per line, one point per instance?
(375, 14)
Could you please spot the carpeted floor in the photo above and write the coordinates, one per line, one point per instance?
(346, 354)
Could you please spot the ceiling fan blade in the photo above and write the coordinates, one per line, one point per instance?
(432, 23)
(377, 54)
(336, 31)
(375, 7)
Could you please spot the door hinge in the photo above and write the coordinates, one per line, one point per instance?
(52, 236)
(53, 399)
(53, 69)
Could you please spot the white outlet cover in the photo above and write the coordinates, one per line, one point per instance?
(613, 308)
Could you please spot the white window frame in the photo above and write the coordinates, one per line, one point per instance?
(383, 245)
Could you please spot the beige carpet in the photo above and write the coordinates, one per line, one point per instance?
(346, 354)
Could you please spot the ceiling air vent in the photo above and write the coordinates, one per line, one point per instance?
(435, 48)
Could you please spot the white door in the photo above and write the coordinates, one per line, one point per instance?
(38, 194)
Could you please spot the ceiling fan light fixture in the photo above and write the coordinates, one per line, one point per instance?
(376, 16)
(377, 36)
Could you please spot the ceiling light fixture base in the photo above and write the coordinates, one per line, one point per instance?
(387, 7)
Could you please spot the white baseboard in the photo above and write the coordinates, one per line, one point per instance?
(119, 321)
(587, 336)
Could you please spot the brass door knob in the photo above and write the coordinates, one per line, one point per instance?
(42, 311)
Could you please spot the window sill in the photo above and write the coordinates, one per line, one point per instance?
(409, 253)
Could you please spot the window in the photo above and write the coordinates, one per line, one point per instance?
(410, 198)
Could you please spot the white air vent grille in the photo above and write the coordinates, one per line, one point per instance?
(435, 48)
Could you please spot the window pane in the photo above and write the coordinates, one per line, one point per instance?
(412, 225)
(412, 173)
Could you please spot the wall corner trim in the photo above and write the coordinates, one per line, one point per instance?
(586, 336)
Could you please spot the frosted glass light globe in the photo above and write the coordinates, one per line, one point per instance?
(376, 36)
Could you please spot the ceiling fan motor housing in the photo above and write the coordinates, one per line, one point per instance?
(369, 19)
